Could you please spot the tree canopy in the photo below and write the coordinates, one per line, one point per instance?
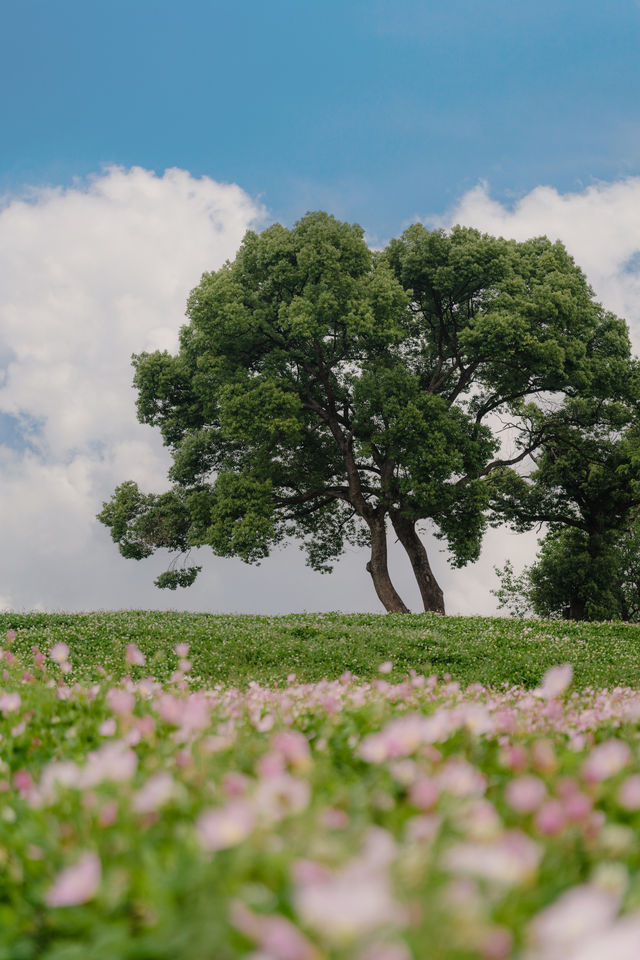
(323, 391)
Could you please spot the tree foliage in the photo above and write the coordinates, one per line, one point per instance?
(322, 390)
(586, 488)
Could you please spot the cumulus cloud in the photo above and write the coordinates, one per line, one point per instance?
(95, 272)
(600, 227)
(88, 276)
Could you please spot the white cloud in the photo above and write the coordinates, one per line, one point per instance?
(91, 274)
(599, 226)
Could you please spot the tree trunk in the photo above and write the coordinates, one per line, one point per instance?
(377, 567)
(432, 596)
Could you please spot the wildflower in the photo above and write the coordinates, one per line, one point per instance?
(550, 819)
(355, 901)
(293, 746)
(77, 883)
(385, 667)
(59, 652)
(461, 778)
(121, 702)
(275, 935)
(134, 656)
(497, 944)
(23, 782)
(10, 702)
(111, 761)
(606, 760)
(225, 827)
(509, 860)
(525, 794)
(555, 681)
(578, 914)
(156, 791)
(108, 727)
(424, 793)
(280, 796)
(629, 794)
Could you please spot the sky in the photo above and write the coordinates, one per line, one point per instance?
(140, 140)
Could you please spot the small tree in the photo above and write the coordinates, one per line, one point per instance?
(322, 390)
(586, 487)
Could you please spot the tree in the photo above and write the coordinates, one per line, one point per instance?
(322, 390)
(586, 487)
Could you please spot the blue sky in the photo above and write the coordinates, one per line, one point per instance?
(378, 110)
(140, 139)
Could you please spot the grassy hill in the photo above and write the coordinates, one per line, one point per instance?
(237, 649)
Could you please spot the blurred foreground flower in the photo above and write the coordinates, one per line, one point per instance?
(354, 901)
(555, 681)
(225, 827)
(76, 884)
(134, 656)
(511, 859)
(275, 935)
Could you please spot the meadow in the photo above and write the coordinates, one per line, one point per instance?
(318, 787)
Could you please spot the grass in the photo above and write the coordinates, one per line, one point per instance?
(235, 649)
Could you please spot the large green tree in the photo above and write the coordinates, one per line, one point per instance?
(324, 391)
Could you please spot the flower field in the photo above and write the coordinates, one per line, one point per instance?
(149, 810)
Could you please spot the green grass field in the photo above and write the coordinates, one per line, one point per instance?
(238, 649)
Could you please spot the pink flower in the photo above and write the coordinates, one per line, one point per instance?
(281, 796)
(134, 656)
(550, 819)
(76, 884)
(181, 649)
(225, 827)
(23, 782)
(108, 727)
(525, 794)
(156, 791)
(424, 793)
(235, 784)
(170, 709)
(629, 795)
(357, 900)
(386, 951)
(275, 935)
(10, 702)
(111, 761)
(108, 814)
(461, 778)
(293, 746)
(334, 819)
(385, 667)
(510, 859)
(555, 681)
(497, 944)
(577, 807)
(606, 760)
(59, 652)
(121, 702)
(11, 635)
(575, 916)
(513, 756)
